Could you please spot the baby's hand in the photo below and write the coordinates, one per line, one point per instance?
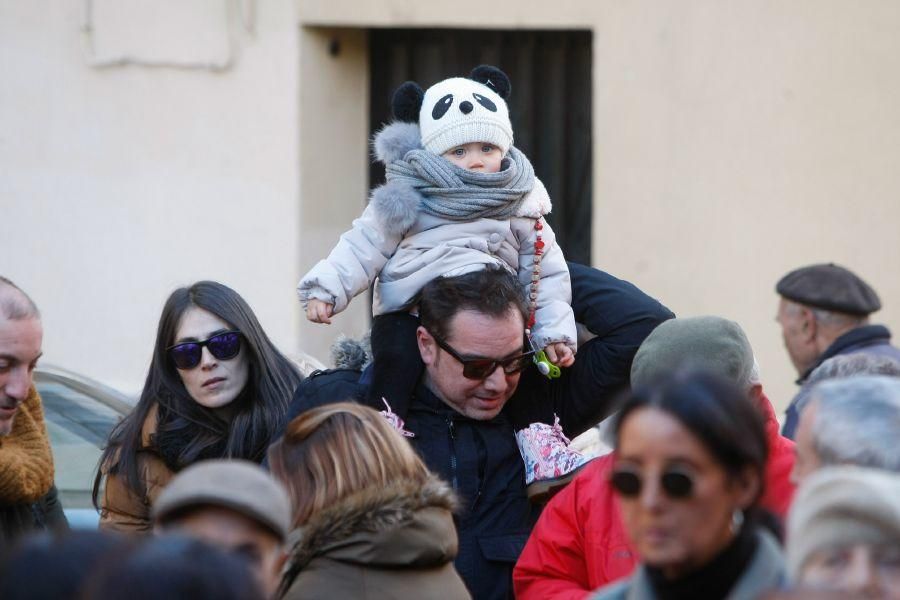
(560, 354)
(319, 311)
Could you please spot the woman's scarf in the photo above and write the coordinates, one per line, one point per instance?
(456, 194)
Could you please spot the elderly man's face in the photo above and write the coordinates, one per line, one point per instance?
(474, 335)
(235, 533)
(861, 570)
(807, 459)
(20, 347)
(798, 334)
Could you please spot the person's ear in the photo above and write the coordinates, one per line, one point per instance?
(427, 346)
(748, 486)
(808, 324)
(279, 563)
(756, 393)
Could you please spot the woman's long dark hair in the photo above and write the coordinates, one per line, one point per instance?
(722, 417)
(191, 431)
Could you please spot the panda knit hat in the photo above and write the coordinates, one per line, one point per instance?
(461, 110)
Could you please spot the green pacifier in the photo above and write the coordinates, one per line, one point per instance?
(547, 368)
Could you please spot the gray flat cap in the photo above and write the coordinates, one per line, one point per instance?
(830, 287)
(713, 344)
(239, 485)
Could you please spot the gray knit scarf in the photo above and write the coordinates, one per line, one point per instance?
(456, 194)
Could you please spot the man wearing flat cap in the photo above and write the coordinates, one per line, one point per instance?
(824, 312)
(234, 505)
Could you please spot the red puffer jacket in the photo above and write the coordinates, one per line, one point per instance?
(580, 542)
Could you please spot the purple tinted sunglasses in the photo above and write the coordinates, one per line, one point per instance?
(223, 346)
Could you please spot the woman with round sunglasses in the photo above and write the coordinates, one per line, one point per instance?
(217, 388)
(689, 469)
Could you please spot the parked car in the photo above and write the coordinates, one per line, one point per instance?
(80, 412)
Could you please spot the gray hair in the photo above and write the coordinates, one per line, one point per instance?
(827, 318)
(857, 422)
(830, 318)
(15, 304)
(847, 365)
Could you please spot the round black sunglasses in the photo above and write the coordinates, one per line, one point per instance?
(676, 484)
(223, 346)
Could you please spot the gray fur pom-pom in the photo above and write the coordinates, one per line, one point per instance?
(394, 140)
(396, 206)
(351, 353)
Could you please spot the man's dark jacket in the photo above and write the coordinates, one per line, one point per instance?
(17, 520)
(874, 340)
(480, 458)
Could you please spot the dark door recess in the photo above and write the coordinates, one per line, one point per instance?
(550, 104)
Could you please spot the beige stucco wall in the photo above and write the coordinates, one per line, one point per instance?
(118, 184)
(732, 141)
(738, 140)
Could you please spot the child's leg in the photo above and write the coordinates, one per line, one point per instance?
(526, 409)
(396, 363)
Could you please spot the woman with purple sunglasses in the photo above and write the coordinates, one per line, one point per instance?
(217, 388)
(688, 472)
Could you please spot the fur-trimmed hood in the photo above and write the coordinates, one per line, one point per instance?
(403, 525)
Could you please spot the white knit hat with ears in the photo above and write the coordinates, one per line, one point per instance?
(459, 111)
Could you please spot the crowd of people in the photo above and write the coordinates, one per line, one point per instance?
(440, 466)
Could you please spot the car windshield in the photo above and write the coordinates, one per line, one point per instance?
(78, 426)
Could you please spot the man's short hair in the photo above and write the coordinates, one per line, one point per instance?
(492, 291)
(843, 366)
(850, 365)
(15, 304)
(856, 422)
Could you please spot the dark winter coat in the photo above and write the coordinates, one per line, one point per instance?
(19, 519)
(389, 543)
(874, 340)
(480, 458)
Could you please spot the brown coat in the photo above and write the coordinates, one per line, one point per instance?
(396, 542)
(121, 509)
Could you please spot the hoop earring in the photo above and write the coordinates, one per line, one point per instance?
(737, 520)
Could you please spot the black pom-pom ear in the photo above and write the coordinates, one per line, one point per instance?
(407, 102)
(494, 78)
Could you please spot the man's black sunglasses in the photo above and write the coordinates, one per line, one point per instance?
(482, 368)
(224, 346)
(676, 484)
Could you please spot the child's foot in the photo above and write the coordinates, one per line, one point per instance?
(395, 420)
(550, 463)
